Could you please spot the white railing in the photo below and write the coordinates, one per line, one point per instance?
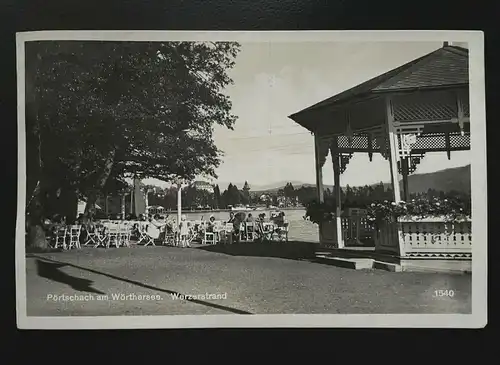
(426, 238)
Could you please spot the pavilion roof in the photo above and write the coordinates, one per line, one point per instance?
(444, 68)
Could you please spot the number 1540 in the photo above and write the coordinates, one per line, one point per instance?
(444, 293)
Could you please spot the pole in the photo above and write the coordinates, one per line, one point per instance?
(319, 178)
(405, 172)
(338, 196)
(132, 201)
(123, 206)
(393, 155)
(179, 203)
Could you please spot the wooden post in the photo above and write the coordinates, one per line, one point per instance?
(179, 204)
(393, 158)
(123, 206)
(447, 144)
(132, 201)
(405, 170)
(319, 177)
(393, 151)
(338, 197)
(319, 171)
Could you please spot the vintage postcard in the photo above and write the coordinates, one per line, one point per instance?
(251, 179)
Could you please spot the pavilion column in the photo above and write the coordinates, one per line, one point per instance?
(319, 171)
(393, 150)
(405, 171)
(338, 197)
(319, 177)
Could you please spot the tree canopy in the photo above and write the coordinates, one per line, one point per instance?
(99, 112)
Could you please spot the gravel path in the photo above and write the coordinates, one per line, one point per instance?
(245, 285)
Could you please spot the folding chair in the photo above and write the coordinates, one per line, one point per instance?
(142, 229)
(113, 235)
(99, 236)
(250, 231)
(152, 233)
(74, 236)
(125, 233)
(267, 231)
(280, 233)
(209, 238)
(90, 235)
(226, 233)
(169, 236)
(60, 236)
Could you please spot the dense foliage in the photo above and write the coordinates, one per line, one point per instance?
(451, 206)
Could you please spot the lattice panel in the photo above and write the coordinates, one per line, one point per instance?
(425, 107)
(459, 141)
(355, 229)
(358, 141)
(376, 141)
(430, 142)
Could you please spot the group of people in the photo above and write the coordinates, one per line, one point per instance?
(158, 226)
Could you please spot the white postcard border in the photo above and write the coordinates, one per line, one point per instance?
(477, 319)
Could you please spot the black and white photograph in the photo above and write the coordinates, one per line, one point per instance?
(251, 179)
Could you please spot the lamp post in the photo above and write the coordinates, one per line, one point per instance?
(180, 184)
(179, 203)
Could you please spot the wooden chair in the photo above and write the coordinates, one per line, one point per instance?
(60, 237)
(209, 238)
(113, 235)
(74, 236)
(280, 232)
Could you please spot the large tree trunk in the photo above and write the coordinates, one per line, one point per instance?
(101, 181)
(34, 165)
(36, 233)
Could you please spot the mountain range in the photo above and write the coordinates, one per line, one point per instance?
(457, 178)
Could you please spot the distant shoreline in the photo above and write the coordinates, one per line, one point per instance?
(187, 211)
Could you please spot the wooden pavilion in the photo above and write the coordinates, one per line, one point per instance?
(419, 107)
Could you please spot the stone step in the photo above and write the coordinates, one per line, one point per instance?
(356, 263)
(350, 263)
(387, 266)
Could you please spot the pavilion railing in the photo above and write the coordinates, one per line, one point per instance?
(433, 238)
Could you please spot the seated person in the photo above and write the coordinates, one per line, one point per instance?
(211, 224)
(155, 227)
(80, 219)
(280, 219)
(250, 218)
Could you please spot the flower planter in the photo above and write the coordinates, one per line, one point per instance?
(411, 237)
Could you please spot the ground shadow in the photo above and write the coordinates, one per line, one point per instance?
(292, 250)
(51, 271)
(171, 292)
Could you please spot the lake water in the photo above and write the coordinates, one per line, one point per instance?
(300, 229)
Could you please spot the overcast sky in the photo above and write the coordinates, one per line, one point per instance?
(274, 80)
